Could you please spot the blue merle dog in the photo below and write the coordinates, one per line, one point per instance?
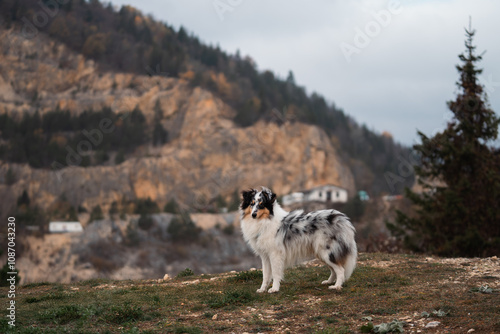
(284, 238)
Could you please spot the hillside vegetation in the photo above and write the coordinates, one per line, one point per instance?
(407, 292)
(128, 41)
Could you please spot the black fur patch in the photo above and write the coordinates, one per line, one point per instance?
(332, 217)
(311, 228)
(344, 249)
(268, 204)
(332, 258)
(341, 254)
(248, 196)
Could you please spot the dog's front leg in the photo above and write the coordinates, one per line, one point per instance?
(266, 273)
(278, 268)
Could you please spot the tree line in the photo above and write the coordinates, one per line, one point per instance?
(41, 140)
(126, 40)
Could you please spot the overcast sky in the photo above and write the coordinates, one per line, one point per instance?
(390, 64)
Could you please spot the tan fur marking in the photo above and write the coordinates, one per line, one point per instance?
(247, 212)
(263, 214)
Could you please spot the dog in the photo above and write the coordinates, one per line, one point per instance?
(282, 238)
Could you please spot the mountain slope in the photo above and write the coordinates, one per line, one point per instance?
(207, 154)
(127, 41)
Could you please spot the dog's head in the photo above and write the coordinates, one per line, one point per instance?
(258, 204)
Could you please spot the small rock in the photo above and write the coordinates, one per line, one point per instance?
(214, 317)
(166, 277)
(191, 282)
(471, 330)
(432, 324)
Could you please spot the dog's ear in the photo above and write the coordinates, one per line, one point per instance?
(273, 197)
(269, 195)
(247, 195)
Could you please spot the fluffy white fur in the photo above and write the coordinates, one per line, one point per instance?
(282, 238)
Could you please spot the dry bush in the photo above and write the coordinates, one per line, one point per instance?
(102, 265)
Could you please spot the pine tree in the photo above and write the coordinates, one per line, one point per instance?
(96, 214)
(457, 213)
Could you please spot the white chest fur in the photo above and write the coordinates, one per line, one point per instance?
(260, 234)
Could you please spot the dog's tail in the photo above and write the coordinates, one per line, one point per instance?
(350, 262)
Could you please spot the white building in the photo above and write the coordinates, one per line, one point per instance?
(65, 227)
(325, 193)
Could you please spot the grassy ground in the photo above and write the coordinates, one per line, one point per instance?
(383, 288)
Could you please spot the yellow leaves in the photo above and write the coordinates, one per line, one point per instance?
(60, 140)
(138, 20)
(188, 75)
(223, 86)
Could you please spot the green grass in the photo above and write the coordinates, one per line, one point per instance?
(231, 298)
(123, 314)
(230, 303)
(246, 276)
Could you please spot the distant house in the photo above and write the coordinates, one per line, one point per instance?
(325, 193)
(65, 227)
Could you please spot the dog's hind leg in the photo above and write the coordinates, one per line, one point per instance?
(266, 273)
(340, 272)
(330, 279)
(336, 270)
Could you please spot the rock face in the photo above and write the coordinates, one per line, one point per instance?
(207, 154)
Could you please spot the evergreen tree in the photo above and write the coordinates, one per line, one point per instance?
(457, 212)
(10, 177)
(96, 214)
(72, 216)
(171, 207)
(24, 199)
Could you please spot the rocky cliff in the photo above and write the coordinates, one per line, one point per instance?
(207, 154)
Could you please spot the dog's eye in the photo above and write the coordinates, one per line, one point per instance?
(253, 202)
(261, 206)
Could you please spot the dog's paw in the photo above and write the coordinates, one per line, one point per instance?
(273, 290)
(261, 290)
(326, 282)
(335, 287)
